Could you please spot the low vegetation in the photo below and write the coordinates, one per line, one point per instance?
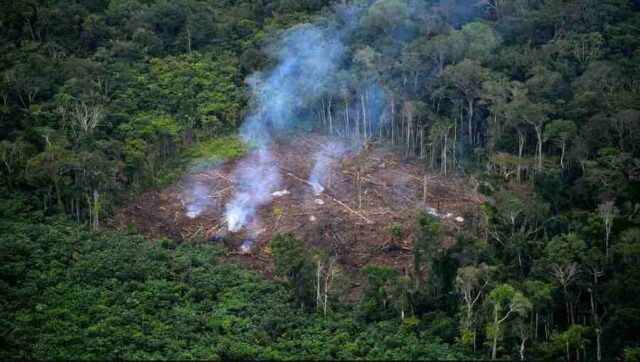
(72, 293)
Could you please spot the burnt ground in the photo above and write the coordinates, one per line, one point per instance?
(392, 192)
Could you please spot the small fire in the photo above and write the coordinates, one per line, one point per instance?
(197, 201)
(317, 188)
(246, 246)
(192, 214)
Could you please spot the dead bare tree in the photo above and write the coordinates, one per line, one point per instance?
(489, 5)
(524, 334)
(565, 273)
(470, 282)
(424, 189)
(94, 210)
(607, 212)
(325, 275)
(359, 182)
(596, 268)
(80, 119)
(26, 89)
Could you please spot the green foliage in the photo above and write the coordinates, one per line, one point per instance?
(632, 354)
(71, 293)
(376, 297)
(385, 15)
(567, 247)
(111, 107)
(293, 262)
(428, 242)
(219, 149)
(397, 234)
(100, 99)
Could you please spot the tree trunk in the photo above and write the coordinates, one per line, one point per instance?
(318, 286)
(444, 156)
(356, 127)
(96, 212)
(364, 116)
(568, 306)
(521, 140)
(189, 40)
(369, 121)
(562, 155)
(521, 350)
(325, 303)
(598, 345)
(424, 189)
(474, 341)
(455, 136)
(431, 156)
(346, 117)
(607, 229)
(470, 110)
(494, 346)
(538, 129)
(409, 123)
(330, 119)
(90, 211)
(422, 142)
(393, 119)
(359, 184)
(402, 128)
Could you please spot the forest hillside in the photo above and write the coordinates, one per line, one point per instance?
(320, 179)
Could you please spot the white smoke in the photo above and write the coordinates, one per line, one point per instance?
(322, 160)
(308, 58)
(197, 200)
(258, 176)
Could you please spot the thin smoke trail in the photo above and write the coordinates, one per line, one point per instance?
(322, 162)
(308, 58)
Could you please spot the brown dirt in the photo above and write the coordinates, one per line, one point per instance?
(392, 193)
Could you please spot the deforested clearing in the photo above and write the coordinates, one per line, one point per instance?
(331, 221)
(320, 180)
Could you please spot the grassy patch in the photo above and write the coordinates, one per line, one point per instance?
(222, 148)
(201, 156)
(167, 178)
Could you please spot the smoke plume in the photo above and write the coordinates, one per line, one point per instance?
(197, 200)
(308, 57)
(322, 159)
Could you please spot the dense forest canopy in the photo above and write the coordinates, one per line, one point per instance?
(537, 100)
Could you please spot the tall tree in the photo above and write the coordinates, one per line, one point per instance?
(467, 77)
(504, 300)
(560, 131)
(293, 262)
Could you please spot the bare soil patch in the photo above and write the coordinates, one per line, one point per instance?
(333, 222)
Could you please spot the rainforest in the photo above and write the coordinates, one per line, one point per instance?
(320, 179)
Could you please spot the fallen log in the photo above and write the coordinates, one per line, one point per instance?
(333, 198)
(366, 179)
(220, 193)
(194, 234)
(275, 227)
(212, 231)
(259, 257)
(351, 210)
(299, 179)
(219, 175)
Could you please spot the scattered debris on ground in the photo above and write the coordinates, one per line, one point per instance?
(327, 217)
